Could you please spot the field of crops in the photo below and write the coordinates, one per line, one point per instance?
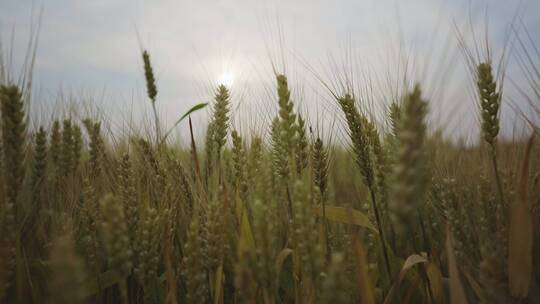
(397, 214)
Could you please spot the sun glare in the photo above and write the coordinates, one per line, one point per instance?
(226, 79)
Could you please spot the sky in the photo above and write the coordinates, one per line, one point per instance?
(88, 56)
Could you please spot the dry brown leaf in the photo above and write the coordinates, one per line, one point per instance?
(365, 285)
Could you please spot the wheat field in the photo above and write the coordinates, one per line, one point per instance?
(396, 214)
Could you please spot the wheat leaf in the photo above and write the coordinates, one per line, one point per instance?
(520, 238)
(246, 242)
(365, 285)
(346, 216)
(282, 256)
(407, 265)
(457, 293)
(193, 109)
(435, 282)
(218, 293)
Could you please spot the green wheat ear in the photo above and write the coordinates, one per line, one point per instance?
(76, 146)
(151, 87)
(221, 117)
(240, 169)
(279, 152)
(255, 158)
(13, 139)
(490, 101)
(394, 114)
(40, 158)
(90, 217)
(114, 231)
(194, 272)
(380, 162)
(410, 177)
(359, 137)
(304, 235)
(13, 145)
(66, 163)
(97, 148)
(37, 179)
(286, 114)
(151, 90)
(215, 235)
(128, 196)
(210, 147)
(147, 251)
(319, 162)
(302, 155)
(56, 144)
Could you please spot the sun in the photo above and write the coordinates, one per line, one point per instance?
(226, 79)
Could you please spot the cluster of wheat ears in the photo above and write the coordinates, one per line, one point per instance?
(268, 220)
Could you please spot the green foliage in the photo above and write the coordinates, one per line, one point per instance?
(277, 217)
(13, 144)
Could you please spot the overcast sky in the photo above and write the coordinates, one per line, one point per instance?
(91, 50)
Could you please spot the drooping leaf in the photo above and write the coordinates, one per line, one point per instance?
(411, 261)
(282, 256)
(346, 216)
(193, 109)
